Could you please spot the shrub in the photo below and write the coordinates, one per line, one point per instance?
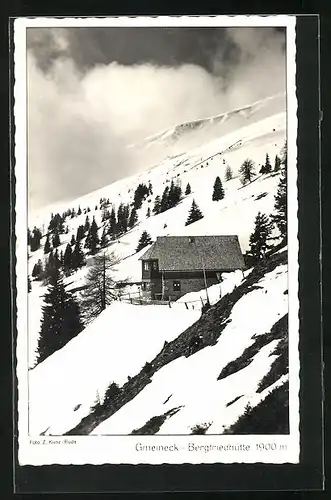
(111, 393)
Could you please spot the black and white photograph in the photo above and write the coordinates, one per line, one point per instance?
(157, 259)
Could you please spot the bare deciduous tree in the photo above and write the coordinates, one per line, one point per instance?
(100, 288)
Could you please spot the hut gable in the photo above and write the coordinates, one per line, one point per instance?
(186, 253)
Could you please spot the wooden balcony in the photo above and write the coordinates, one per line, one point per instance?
(150, 270)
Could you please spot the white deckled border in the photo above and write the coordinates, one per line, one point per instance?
(293, 242)
(122, 449)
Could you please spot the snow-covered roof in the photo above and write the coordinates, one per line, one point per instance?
(187, 253)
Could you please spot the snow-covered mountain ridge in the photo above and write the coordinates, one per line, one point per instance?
(220, 124)
(254, 122)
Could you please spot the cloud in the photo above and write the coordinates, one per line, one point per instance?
(258, 69)
(159, 46)
(81, 120)
(80, 125)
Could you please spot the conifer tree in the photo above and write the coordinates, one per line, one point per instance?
(157, 205)
(267, 164)
(126, 214)
(29, 285)
(78, 259)
(50, 266)
(247, 171)
(104, 238)
(123, 218)
(92, 239)
(194, 215)
(218, 191)
(47, 246)
(266, 168)
(112, 224)
(105, 214)
(120, 218)
(100, 286)
(34, 239)
(80, 233)
(283, 155)
(52, 222)
(57, 260)
(56, 240)
(79, 211)
(67, 260)
(280, 206)
(29, 237)
(165, 199)
(57, 223)
(144, 240)
(188, 189)
(150, 188)
(141, 191)
(60, 319)
(133, 218)
(228, 173)
(73, 240)
(277, 164)
(259, 238)
(37, 269)
(148, 213)
(87, 224)
(174, 195)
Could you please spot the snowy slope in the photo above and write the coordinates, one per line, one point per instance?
(248, 139)
(191, 383)
(199, 168)
(116, 345)
(119, 342)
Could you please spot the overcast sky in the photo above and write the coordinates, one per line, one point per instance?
(93, 91)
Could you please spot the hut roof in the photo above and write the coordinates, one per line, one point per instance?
(188, 253)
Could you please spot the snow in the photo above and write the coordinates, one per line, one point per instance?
(220, 124)
(116, 345)
(35, 302)
(229, 282)
(192, 382)
(235, 214)
(119, 342)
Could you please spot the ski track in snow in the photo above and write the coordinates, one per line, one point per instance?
(119, 342)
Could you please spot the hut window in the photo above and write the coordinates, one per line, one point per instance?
(176, 286)
(154, 265)
(146, 266)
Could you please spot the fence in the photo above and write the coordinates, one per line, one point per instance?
(137, 299)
